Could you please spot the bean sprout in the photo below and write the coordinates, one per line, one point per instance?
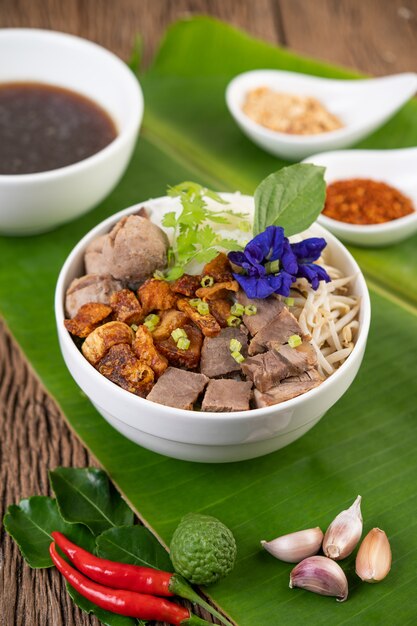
(329, 315)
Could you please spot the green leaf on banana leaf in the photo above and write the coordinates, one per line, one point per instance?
(135, 545)
(31, 523)
(292, 198)
(87, 496)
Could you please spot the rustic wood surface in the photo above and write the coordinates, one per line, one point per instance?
(374, 36)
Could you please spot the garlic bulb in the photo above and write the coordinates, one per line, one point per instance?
(344, 532)
(373, 561)
(320, 575)
(295, 547)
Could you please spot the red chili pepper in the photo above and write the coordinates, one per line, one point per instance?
(116, 575)
(131, 577)
(129, 603)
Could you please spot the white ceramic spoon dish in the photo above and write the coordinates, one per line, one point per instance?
(394, 167)
(361, 105)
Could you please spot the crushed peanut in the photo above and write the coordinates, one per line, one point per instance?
(288, 113)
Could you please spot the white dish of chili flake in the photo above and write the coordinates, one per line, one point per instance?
(393, 167)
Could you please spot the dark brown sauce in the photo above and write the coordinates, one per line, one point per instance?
(43, 127)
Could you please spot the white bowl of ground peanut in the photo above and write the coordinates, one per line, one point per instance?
(294, 115)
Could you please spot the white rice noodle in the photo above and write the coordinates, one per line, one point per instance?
(329, 315)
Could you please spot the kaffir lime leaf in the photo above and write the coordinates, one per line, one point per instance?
(203, 549)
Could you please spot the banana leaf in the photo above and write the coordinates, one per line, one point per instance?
(366, 444)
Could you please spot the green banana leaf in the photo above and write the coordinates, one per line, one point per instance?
(366, 444)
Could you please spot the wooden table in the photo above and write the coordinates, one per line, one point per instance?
(374, 36)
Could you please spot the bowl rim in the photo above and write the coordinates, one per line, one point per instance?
(347, 131)
(123, 135)
(191, 415)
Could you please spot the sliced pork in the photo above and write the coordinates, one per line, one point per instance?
(227, 395)
(178, 388)
(266, 310)
(89, 288)
(268, 369)
(276, 332)
(289, 388)
(216, 357)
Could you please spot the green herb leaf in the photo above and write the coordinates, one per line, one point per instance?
(86, 495)
(175, 272)
(292, 198)
(194, 239)
(169, 220)
(133, 544)
(31, 523)
(106, 617)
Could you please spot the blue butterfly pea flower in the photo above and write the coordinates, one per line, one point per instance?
(306, 252)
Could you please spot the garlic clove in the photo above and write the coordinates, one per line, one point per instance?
(344, 532)
(373, 561)
(321, 575)
(295, 547)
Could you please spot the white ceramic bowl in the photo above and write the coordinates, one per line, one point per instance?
(394, 167)
(32, 203)
(362, 105)
(194, 435)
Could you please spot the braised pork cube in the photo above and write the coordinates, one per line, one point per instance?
(122, 367)
(88, 317)
(266, 310)
(186, 285)
(220, 310)
(126, 307)
(169, 321)
(156, 295)
(178, 388)
(225, 395)
(144, 348)
(189, 358)
(219, 268)
(134, 249)
(99, 342)
(216, 355)
(276, 332)
(270, 368)
(288, 388)
(89, 288)
(207, 323)
(218, 290)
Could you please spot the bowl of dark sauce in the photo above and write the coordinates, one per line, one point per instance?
(70, 112)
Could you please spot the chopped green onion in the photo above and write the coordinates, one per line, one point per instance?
(251, 309)
(183, 343)
(151, 321)
(238, 357)
(134, 327)
(178, 333)
(237, 309)
(158, 275)
(194, 302)
(272, 267)
(232, 320)
(203, 308)
(207, 281)
(235, 345)
(289, 301)
(294, 341)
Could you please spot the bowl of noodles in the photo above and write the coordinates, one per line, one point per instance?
(335, 317)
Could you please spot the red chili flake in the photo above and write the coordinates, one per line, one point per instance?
(363, 201)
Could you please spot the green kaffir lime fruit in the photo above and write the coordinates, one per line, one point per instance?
(203, 550)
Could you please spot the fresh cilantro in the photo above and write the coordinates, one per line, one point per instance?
(194, 239)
